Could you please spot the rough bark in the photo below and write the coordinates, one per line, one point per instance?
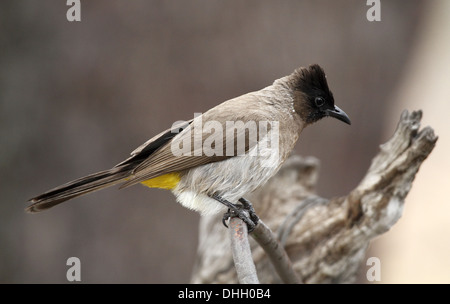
(326, 240)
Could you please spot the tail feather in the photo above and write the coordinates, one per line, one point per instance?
(104, 179)
(81, 186)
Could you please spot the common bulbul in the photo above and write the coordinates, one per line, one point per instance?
(205, 181)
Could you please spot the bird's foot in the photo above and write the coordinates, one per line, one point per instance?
(244, 211)
(249, 207)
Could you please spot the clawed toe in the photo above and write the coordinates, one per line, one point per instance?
(244, 211)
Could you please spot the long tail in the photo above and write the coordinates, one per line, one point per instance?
(81, 186)
(105, 178)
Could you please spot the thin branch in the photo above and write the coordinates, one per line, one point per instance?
(242, 254)
(276, 253)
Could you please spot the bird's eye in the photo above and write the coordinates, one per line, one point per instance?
(320, 101)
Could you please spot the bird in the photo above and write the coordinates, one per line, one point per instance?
(208, 171)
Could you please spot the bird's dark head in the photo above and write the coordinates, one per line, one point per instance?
(313, 99)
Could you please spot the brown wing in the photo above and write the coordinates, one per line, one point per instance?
(150, 146)
(203, 129)
(103, 179)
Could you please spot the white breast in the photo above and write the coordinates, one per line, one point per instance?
(231, 179)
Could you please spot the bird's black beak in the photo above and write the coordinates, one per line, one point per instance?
(338, 114)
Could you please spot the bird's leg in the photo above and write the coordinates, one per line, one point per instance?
(251, 219)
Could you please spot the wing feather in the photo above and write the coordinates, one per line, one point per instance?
(163, 160)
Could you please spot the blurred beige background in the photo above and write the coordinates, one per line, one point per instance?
(77, 97)
(422, 238)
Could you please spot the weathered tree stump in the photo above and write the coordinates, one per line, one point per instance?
(326, 240)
